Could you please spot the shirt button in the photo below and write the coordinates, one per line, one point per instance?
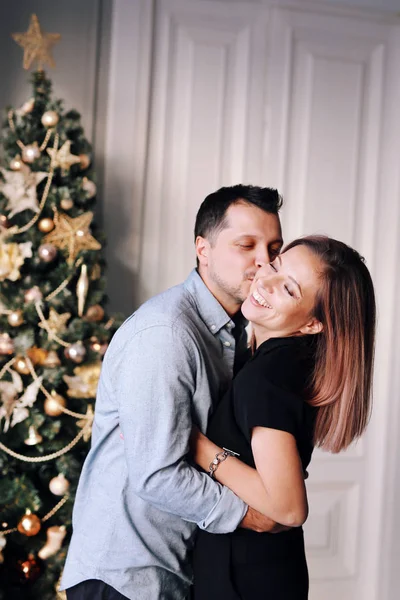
(213, 328)
(227, 344)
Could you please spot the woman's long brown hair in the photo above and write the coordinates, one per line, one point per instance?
(342, 382)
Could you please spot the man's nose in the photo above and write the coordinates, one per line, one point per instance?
(262, 258)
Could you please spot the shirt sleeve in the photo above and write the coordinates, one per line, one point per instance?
(154, 381)
(268, 393)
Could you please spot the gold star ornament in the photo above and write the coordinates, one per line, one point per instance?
(63, 158)
(36, 44)
(72, 234)
(55, 323)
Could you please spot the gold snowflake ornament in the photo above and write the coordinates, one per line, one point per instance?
(72, 234)
(63, 158)
(36, 44)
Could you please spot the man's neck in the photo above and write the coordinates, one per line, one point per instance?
(231, 307)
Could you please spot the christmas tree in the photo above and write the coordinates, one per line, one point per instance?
(53, 328)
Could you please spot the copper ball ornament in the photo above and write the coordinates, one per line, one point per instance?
(97, 346)
(66, 203)
(89, 187)
(85, 161)
(30, 153)
(53, 406)
(59, 485)
(37, 355)
(75, 352)
(46, 225)
(94, 313)
(50, 118)
(47, 252)
(15, 318)
(30, 524)
(29, 570)
(33, 295)
(16, 163)
(21, 365)
(4, 222)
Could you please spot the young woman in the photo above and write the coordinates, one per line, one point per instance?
(308, 383)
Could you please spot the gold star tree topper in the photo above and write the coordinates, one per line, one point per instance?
(72, 234)
(36, 44)
(63, 158)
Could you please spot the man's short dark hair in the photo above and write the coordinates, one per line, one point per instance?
(211, 217)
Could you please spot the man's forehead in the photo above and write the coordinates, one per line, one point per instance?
(246, 220)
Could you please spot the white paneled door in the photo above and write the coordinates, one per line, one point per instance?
(306, 100)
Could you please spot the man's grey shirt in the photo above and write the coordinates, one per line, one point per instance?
(139, 499)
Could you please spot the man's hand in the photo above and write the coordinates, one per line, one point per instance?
(260, 523)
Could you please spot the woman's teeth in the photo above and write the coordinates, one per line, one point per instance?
(258, 298)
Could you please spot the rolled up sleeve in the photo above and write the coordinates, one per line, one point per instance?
(154, 378)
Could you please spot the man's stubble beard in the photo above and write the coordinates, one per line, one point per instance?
(237, 294)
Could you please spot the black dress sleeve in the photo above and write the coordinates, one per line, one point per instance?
(270, 391)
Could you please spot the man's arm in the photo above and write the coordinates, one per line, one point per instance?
(153, 379)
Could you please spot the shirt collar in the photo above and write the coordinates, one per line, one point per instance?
(210, 310)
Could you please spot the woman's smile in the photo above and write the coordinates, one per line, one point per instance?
(259, 300)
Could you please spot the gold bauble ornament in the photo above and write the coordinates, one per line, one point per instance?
(37, 45)
(66, 203)
(30, 153)
(75, 352)
(85, 161)
(53, 406)
(59, 485)
(21, 365)
(51, 361)
(6, 344)
(89, 187)
(47, 252)
(50, 118)
(55, 536)
(16, 163)
(34, 437)
(94, 313)
(46, 225)
(30, 524)
(15, 318)
(33, 295)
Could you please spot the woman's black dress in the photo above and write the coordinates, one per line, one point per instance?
(269, 391)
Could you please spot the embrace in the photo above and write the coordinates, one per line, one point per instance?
(194, 484)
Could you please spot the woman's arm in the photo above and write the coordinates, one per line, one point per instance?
(276, 488)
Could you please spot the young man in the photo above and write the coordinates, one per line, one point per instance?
(139, 499)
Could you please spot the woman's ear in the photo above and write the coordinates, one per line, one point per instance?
(312, 327)
(202, 248)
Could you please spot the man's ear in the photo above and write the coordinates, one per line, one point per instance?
(202, 249)
(312, 327)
